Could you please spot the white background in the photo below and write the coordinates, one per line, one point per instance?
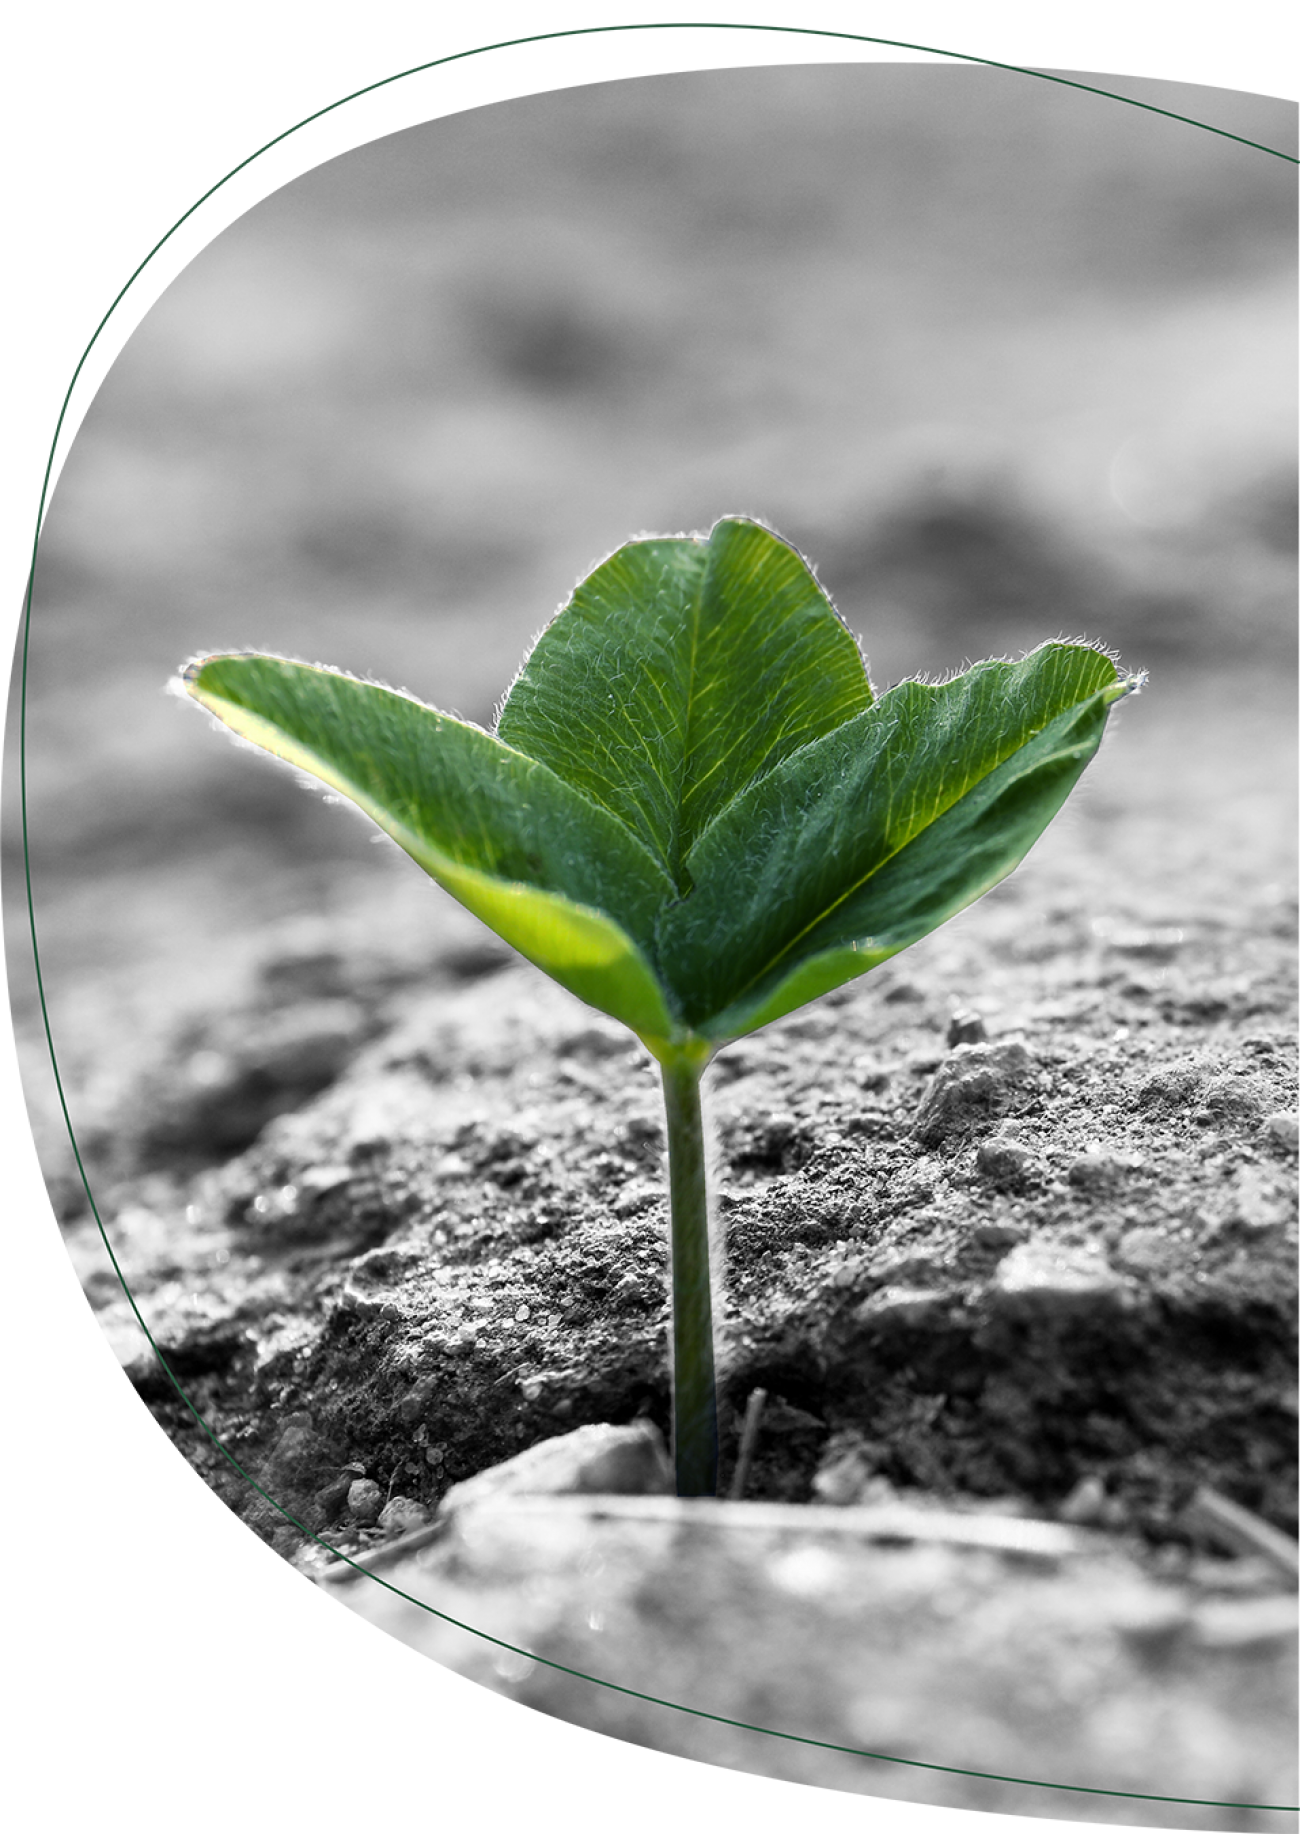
(164, 1666)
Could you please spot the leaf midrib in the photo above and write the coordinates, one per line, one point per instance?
(676, 856)
(676, 863)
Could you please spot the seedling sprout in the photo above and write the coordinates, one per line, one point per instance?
(696, 815)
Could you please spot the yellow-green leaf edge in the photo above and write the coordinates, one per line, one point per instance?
(578, 946)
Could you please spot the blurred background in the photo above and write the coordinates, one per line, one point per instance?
(1005, 360)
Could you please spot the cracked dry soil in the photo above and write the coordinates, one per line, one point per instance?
(1008, 1223)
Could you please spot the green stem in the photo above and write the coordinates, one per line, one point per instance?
(695, 1405)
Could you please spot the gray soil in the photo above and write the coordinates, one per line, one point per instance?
(1008, 1224)
(1005, 1230)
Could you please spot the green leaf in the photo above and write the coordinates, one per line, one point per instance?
(867, 839)
(679, 673)
(694, 815)
(558, 877)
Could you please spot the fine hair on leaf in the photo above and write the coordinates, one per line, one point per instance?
(697, 814)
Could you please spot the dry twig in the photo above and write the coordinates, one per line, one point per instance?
(1226, 1522)
(748, 1440)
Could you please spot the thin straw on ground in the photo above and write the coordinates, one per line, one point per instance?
(748, 1440)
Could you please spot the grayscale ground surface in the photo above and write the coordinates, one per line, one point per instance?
(392, 1205)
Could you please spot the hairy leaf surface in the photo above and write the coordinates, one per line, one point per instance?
(792, 865)
(694, 815)
(559, 878)
(679, 673)
(962, 854)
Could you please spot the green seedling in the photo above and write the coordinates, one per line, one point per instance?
(696, 816)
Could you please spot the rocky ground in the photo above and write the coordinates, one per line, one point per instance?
(1008, 1225)
(1007, 1228)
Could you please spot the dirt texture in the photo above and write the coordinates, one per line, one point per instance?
(1073, 1667)
(1008, 1224)
(1006, 1230)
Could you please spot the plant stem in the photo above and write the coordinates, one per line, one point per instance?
(695, 1405)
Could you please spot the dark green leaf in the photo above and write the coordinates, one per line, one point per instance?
(556, 876)
(680, 672)
(694, 815)
(879, 832)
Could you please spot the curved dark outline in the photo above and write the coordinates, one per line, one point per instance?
(369, 88)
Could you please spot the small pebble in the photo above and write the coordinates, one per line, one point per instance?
(842, 1478)
(1256, 1204)
(1147, 1250)
(777, 1131)
(365, 1499)
(332, 1499)
(972, 1088)
(966, 1027)
(416, 1402)
(1233, 1098)
(1282, 1130)
(1097, 1170)
(1173, 1088)
(1085, 1503)
(1006, 1163)
(1045, 1276)
(635, 1198)
(998, 1234)
(625, 1460)
(402, 1515)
